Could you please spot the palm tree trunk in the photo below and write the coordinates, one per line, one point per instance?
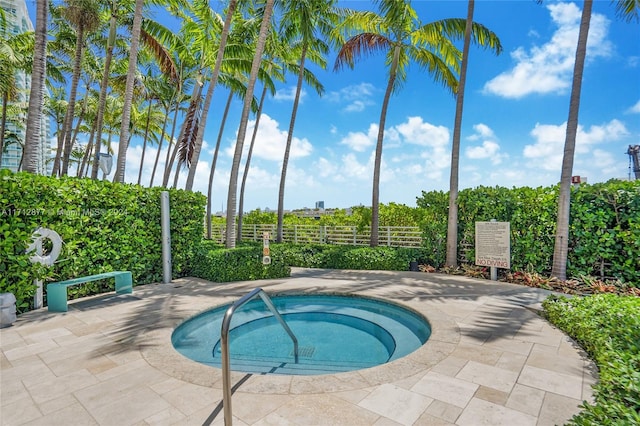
(84, 167)
(128, 94)
(3, 124)
(561, 247)
(144, 143)
(287, 149)
(452, 222)
(248, 162)
(63, 165)
(160, 143)
(244, 120)
(207, 101)
(36, 97)
(104, 84)
(375, 197)
(215, 160)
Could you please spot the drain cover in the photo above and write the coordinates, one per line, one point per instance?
(304, 351)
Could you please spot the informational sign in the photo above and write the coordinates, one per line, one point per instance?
(266, 259)
(493, 245)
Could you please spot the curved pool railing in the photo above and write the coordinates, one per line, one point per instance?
(224, 344)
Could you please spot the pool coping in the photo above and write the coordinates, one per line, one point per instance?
(157, 350)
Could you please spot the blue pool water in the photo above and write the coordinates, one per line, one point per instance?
(335, 334)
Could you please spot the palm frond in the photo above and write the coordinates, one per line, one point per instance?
(359, 46)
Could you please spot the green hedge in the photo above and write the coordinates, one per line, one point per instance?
(215, 263)
(104, 226)
(604, 226)
(608, 327)
(347, 257)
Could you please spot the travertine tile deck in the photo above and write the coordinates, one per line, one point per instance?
(491, 360)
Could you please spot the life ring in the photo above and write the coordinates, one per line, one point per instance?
(56, 246)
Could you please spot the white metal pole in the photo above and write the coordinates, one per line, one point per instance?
(166, 237)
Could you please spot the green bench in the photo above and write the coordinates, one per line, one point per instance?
(57, 292)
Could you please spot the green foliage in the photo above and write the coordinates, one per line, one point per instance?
(608, 327)
(347, 257)
(215, 263)
(435, 207)
(604, 227)
(104, 227)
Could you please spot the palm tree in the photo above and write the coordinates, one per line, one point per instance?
(84, 16)
(209, 96)
(247, 165)
(629, 10)
(128, 94)
(104, 84)
(306, 23)
(452, 223)
(399, 33)
(244, 120)
(36, 95)
(14, 51)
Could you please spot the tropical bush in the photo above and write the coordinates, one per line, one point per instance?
(608, 328)
(604, 227)
(214, 262)
(347, 257)
(104, 227)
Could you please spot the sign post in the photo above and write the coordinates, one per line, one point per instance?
(493, 246)
(266, 259)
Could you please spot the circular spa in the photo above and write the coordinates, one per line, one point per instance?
(334, 334)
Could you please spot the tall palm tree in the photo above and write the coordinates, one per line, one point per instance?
(244, 120)
(104, 85)
(14, 53)
(247, 165)
(452, 223)
(209, 96)
(629, 10)
(128, 94)
(84, 16)
(306, 23)
(398, 32)
(36, 96)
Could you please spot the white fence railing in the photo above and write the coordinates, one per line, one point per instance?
(392, 236)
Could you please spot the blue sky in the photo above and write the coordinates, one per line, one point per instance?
(513, 129)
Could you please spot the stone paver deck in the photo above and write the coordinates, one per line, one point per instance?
(491, 360)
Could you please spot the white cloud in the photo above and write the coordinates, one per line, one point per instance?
(549, 146)
(548, 68)
(356, 97)
(481, 131)
(271, 141)
(360, 141)
(634, 109)
(289, 94)
(489, 148)
(416, 131)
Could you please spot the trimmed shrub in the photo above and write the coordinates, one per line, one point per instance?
(216, 263)
(604, 229)
(104, 227)
(347, 257)
(608, 328)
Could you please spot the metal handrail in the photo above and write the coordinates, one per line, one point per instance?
(224, 344)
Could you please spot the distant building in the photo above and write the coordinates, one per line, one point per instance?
(18, 21)
(320, 205)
